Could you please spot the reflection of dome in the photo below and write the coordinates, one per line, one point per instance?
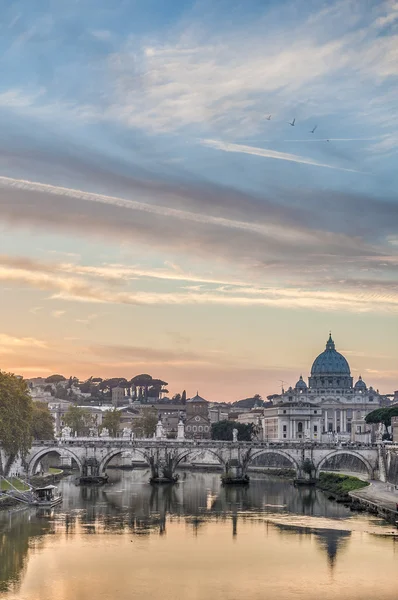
(330, 362)
(301, 385)
(360, 385)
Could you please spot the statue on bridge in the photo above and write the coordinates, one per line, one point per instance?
(105, 432)
(234, 435)
(180, 431)
(127, 433)
(66, 432)
(159, 430)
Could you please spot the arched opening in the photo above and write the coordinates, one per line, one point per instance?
(344, 461)
(273, 460)
(61, 458)
(115, 458)
(197, 458)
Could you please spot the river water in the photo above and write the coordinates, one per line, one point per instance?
(195, 541)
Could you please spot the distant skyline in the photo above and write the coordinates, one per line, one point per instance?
(153, 219)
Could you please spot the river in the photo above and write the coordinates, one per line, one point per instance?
(195, 541)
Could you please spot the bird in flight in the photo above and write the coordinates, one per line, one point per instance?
(268, 118)
(313, 130)
(293, 122)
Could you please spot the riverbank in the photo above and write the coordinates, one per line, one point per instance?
(379, 499)
(338, 486)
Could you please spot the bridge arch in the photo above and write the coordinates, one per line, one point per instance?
(61, 451)
(116, 452)
(369, 467)
(278, 452)
(186, 452)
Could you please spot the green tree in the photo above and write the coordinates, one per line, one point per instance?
(111, 421)
(145, 425)
(223, 431)
(16, 409)
(78, 419)
(42, 422)
(176, 398)
(55, 378)
(184, 397)
(382, 415)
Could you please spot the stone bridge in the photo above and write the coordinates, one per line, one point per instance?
(164, 456)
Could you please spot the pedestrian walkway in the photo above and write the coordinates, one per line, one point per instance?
(383, 494)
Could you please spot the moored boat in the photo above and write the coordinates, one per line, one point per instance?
(47, 496)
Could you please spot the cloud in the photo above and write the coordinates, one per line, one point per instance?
(346, 296)
(57, 313)
(11, 343)
(266, 153)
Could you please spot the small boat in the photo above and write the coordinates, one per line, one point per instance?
(47, 496)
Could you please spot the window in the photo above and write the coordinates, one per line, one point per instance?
(370, 398)
(315, 412)
(188, 428)
(300, 427)
(284, 412)
(194, 428)
(205, 428)
(315, 428)
(290, 397)
(284, 435)
(284, 428)
(200, 428)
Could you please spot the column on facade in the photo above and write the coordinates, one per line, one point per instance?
(343, 421)
(325, 419)
(335, 420)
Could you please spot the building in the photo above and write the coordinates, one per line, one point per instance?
(330, 405)
(118, 396)
(197, 424)
(217, 414)
(394, 429)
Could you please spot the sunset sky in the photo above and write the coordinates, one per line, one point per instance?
(152, 219)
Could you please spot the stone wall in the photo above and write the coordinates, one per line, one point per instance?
(392, 467)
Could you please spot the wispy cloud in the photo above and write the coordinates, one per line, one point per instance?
(80, 289)
(267, 153)
(10, 343)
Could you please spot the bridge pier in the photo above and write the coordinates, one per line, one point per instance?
(163, 463)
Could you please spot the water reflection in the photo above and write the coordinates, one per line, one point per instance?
(129, 506)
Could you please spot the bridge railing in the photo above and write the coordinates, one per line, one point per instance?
(153, 442)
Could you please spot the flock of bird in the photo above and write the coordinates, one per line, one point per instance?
(293, 123)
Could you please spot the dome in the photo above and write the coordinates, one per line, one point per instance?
(360, 385)
(330, 362)
(301, 385)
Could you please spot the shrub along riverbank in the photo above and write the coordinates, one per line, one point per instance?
(336, 486)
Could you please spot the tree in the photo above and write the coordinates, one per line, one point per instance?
(55, 378)
(78, 419)
(184, 397)
(42, 422)
(145, 425)
(382, 415)
(176, 398)
(111, 421)
(16, 409)
(223, 431)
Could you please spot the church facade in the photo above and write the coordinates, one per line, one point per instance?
(331, 406)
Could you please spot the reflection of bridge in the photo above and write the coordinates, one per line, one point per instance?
(164, 456)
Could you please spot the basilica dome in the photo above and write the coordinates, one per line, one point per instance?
(330, 362)
(360, 385)
(301, 385)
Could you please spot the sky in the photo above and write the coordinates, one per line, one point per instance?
(199, 190)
